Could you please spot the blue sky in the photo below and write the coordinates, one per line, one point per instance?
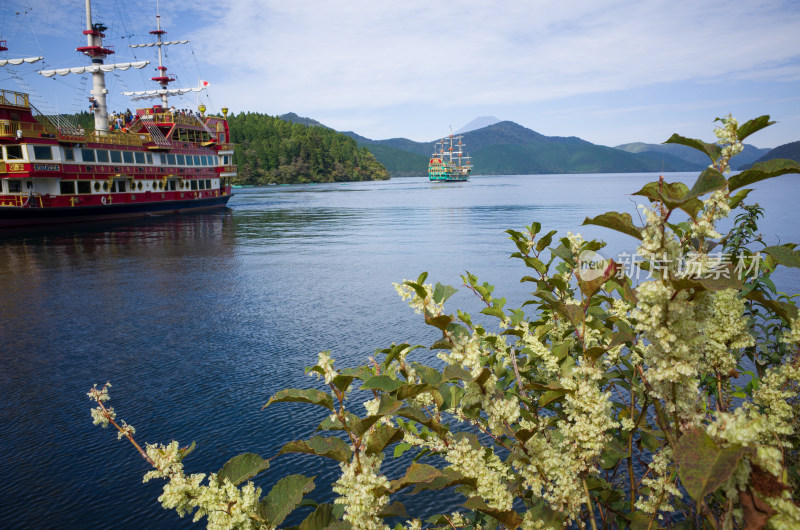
(610, 72)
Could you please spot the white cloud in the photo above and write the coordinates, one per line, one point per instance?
(328, 55)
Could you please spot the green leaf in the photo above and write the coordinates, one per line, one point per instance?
(709, 180)
(737, 199)
(320, 519)
(442, 292)
(401, 448)
(417, 474)
(671, 194)
(754, 125)
(621, 222)
(382, 437)
(396, 509)
(509, 518)
(342, 382)
(712, 151)
(410, 391)
(786, 311)
(241, 468)
(382, 382)
(552, 395)
(763, 171)
(545, 240)
(452, 371)
(309, 395)
(440, 321)
(703, 466)
(284, 497)
(327, 446)
(784, 255)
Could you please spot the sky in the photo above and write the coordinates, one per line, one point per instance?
(610, 72)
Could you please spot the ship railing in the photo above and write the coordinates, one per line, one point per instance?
(120, 138)
(18, 99)
(9, 128)
(169, 117)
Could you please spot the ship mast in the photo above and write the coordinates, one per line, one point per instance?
(162, 78)
(95, 50)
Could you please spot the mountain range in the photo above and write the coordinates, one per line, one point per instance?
(507, 148)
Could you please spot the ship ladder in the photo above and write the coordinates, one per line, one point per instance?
(155, 132)
(63, 124)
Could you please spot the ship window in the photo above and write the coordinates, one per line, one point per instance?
(181, 160)
(102, 155)
(139, 157)
(208, 184)
(172, 185)
(84, 186)
(121, 187)
(149, 158)
(194, 185)
(189, 160)
(116, 157)
(14, 186)
(196, 160)
(69, 154)
(105, 186)
(67, 187)
(162, 159)
(88, 155)
(42, 152)
(127, 156)
(96, 186)
(170, 159)
(13, 152)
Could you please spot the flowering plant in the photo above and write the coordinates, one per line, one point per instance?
(671, 402)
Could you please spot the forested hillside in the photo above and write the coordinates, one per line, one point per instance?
(271, 150)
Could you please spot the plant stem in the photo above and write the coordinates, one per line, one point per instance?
(589, 503)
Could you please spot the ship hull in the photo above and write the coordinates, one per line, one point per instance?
(449, 178)
(14, 217)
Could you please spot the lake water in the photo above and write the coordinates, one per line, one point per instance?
(198, 319)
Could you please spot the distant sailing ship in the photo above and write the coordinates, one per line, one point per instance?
(159, 161)
(448, 163)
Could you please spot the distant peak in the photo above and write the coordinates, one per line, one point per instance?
(478, 123)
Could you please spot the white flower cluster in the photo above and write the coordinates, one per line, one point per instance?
(715, 208)
(482, 464)
(662, 485)
(793, 337)
(225, 505)
(728, 138)
(544, 361)
(362, 491)
(467, 353)
(588, 416)
(763, 426)
(99, 416)
(424, 306)
(325, 363)
(724, 330)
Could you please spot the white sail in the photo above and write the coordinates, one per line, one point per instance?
(17, 62)
(94, 68)
(154, 94)
(151, 44)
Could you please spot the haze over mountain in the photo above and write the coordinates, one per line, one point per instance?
(790, 151)
(478, 123)
(749, 154)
